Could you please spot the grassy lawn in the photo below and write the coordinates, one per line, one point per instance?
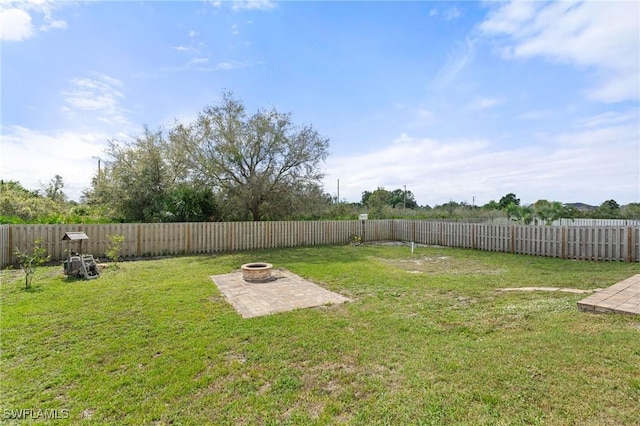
(427, 339)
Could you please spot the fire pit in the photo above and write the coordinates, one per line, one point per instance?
(258, 272)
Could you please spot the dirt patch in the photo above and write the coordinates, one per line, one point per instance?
(440, 265)
(9, 276)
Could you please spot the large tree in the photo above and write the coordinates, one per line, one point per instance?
(375, 202)
(608, 209)
(135, 182)
(507, 200)
(255, 162)
(402, 198)
(548, 211)
(53, 190)
(395, 198)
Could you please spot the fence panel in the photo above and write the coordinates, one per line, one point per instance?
(618, 243)
(596, 222)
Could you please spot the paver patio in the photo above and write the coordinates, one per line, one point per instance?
(286, 292)
(562, 290)
(623, 297)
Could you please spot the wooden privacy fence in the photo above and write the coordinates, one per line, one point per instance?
(163, 239)
(585, 243)
(620, 243)
(596, 222)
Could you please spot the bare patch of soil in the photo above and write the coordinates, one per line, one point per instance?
(436, 265)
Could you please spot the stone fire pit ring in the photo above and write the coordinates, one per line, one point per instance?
(257, 272)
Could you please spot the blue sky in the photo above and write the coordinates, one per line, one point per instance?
(463, 101)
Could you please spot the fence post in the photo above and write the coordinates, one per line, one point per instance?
(393, 229)
(10, 248)
(629, 256)
(188, 238)
(512, 238)
(474, 244)
(413, 232)
(563, 243)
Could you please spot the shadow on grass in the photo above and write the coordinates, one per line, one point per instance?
(35, 288)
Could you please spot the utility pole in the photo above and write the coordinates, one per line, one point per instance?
(405, 196)
(99, 160)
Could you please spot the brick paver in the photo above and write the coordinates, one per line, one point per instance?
(563, 290)
(623, 297)
(285, 293)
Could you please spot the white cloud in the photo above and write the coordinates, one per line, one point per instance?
(192, 33)
(510, 18)
(424, 113)
(181, 48)
(608, 119)
(600, 35)
(263, 5)
(195, 61)
(30, 157)
(448, 14)
(454, 65)
(484, 103)
(15, 25)
(451, 14)
(17, 17)
(235, 30)
(617, 86)
(40, 6)
(230, 65)
(59, 24)
(533, 115)
(99, 96)
(588, 166)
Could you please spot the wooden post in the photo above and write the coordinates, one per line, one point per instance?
(512, 242)
(138, 239)
(563, 243)
(629, 256)
(474, 245)
(10, 247)
(187, 238)
(231, 235)
(393, 229)
(413, 237)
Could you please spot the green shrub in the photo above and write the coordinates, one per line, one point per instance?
(115, 246)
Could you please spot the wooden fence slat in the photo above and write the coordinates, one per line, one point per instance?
(610, 242)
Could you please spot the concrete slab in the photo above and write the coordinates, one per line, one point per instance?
(623, 297)
(563, 290)
(286, 292)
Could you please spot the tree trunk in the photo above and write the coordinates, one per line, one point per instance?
(255, 212)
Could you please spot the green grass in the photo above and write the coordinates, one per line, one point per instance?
(427, 339)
